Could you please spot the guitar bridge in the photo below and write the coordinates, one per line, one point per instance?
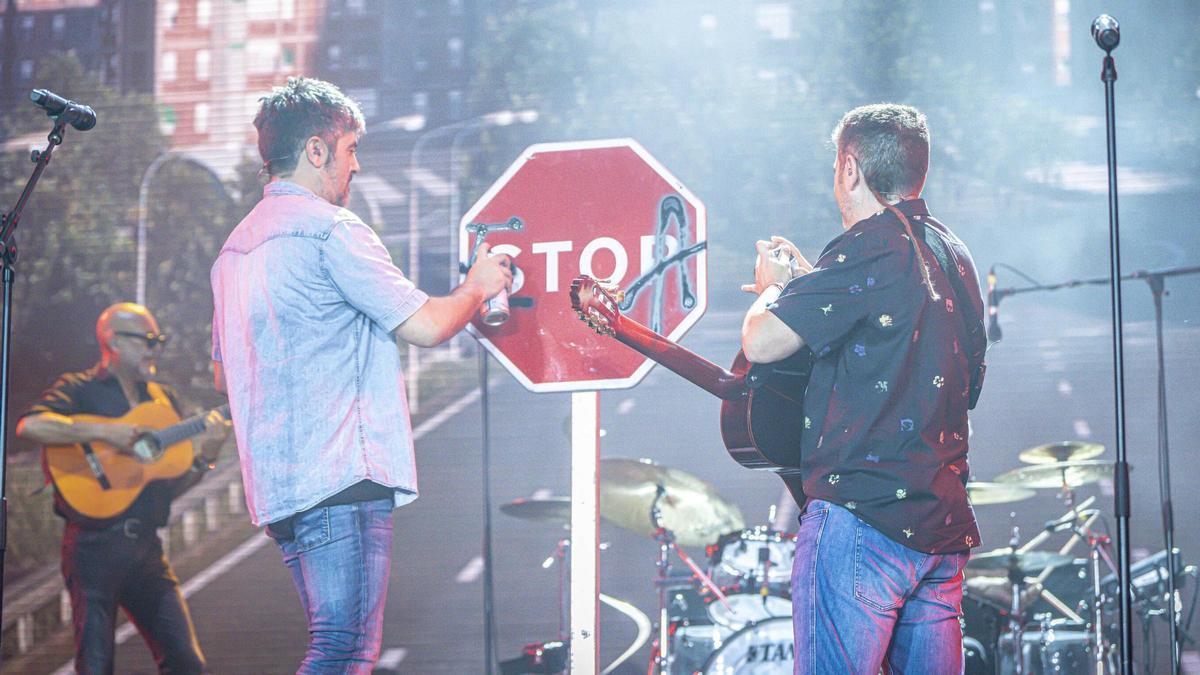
(95, 466)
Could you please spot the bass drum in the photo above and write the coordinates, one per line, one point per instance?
(763, 648)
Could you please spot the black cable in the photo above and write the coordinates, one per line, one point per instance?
(1187, 626)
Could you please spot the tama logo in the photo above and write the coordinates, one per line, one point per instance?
(775, 652)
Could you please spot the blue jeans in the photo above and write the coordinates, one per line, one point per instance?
(862, 602)
(339, 558)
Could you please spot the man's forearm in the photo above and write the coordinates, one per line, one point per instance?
(442, 317)
(55, 429)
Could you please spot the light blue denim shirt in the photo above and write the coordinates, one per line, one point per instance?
(305, 299)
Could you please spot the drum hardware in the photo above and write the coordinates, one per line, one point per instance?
(666, 543)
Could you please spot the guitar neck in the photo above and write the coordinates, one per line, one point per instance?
(687, 364)
(185, 429)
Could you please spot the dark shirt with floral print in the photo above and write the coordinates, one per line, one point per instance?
(885, 428)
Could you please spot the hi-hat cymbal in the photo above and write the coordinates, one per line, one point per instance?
(1029, 562)
(1059, 474)
(690, 507)
(996, 493)
(553, 510)
(1066, 451)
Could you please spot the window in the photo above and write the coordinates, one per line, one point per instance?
(454, 104)
(203, 12)
(262, 56)
(456, 7)
(26, 70)
(26, 27)
(334, 54)
(455, 48)
(170, 11)
(167, 120)
(200, 118)
(168, 66)
(58, 26)
(287, 9)
(355, 6)
(420, 102)
(203, 64)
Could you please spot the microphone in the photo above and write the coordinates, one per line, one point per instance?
(1107, 32)
(994, 333)
(77, 115)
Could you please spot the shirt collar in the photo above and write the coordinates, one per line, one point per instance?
(279, 188)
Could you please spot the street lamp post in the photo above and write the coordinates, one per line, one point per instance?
(144, 209)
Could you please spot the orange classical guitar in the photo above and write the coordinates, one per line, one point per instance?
(100, 481)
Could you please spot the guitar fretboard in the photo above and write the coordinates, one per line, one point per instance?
(185, 429)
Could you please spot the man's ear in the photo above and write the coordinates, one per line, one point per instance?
(850, 172)
(316, 152)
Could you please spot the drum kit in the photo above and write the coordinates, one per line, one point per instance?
(1025, 610)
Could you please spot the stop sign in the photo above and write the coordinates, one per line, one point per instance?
(602, 208)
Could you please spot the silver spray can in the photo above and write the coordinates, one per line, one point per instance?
(495, 311)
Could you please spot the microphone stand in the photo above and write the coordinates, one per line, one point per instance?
(8, 260)
(1156, 281)
(1121, 472)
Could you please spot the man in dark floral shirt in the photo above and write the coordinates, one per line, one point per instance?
(886, 527)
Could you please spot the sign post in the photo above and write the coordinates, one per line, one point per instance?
(609, 210)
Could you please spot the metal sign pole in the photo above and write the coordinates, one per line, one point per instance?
(585, 532)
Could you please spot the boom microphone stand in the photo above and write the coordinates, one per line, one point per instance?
(1107, 33)
(8, 260)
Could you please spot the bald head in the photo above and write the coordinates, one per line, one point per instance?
(122, 331)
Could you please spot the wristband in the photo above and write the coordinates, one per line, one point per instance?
(780, 284)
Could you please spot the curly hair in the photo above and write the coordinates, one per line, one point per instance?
(297, 111)
(891, 143)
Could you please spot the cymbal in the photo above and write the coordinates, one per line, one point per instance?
(690, 507)
(996, 493)
(1059, 474)
(1066, 451)
(1029, 562)
(553, 510)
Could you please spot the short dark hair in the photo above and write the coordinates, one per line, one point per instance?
(297, 111)
(891, 143)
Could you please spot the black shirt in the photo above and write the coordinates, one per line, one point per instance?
(885, 428)
(97, 392)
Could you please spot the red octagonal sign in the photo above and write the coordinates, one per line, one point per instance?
(603, 208)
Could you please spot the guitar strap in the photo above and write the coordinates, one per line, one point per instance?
(972, 321)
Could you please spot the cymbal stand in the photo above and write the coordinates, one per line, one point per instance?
(666, 543)
(1015, 621)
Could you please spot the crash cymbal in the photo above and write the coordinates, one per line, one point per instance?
(1059, 474)
(1029, 562)
(553, 510)
(690, 507)
(996, 493)
(1066, 451)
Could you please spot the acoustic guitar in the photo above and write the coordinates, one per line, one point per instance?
(762, 405)
(101, 481)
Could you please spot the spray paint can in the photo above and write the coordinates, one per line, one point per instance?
(494, 312)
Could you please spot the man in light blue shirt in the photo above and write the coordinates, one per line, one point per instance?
(307, 309)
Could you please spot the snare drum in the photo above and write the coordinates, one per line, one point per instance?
(744, 606)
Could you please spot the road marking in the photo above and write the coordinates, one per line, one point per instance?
(258, 540)
(471, 571)
(391, 658)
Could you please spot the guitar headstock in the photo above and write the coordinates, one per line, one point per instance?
(595, 304)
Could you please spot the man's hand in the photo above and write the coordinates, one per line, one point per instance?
(120, 436)
(212, 440)
(491, 274)
(778, 262)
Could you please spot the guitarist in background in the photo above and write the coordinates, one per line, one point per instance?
(120, 562)
(891, 311)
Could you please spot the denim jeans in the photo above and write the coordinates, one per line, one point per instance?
(339, 558)
(862, 602)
